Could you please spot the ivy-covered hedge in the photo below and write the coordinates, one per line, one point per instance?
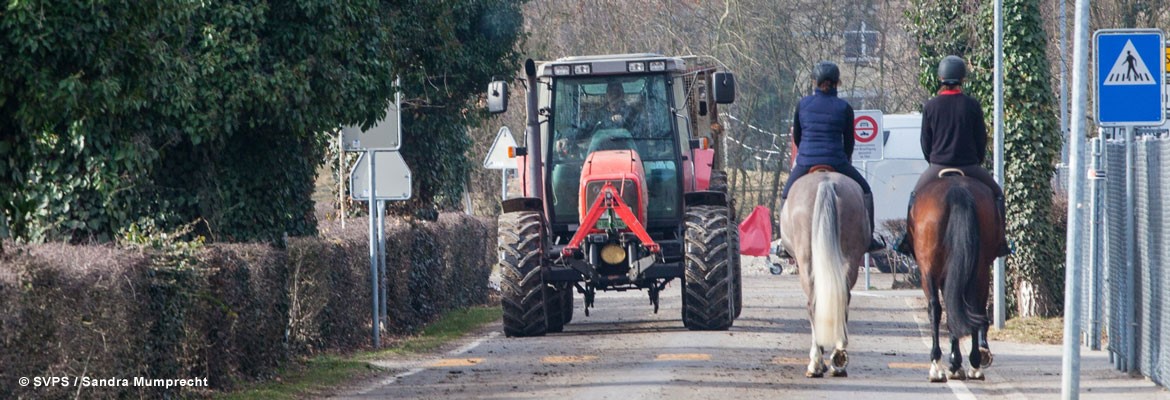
(230, 313)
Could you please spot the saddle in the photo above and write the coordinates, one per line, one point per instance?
(821, 168)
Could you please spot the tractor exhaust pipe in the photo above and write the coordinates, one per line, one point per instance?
(532, 136)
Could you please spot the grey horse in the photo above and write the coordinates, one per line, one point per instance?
(826, 230)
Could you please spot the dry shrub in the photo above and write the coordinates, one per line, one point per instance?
(225, 312)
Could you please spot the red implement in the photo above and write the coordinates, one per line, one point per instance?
(608, 198)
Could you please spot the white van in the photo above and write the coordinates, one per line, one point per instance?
(893, 177)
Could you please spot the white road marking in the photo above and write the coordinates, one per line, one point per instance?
(470, 346)
(461, 350)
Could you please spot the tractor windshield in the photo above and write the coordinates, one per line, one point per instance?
(611, 113)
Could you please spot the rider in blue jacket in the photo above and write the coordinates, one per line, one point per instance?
(822, 128)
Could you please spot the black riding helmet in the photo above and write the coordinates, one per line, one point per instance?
(826, 71)
(952, 70)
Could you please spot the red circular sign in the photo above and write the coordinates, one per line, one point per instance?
(865, 129)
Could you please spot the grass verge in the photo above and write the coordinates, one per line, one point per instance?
(317, 376)
(1031, 330)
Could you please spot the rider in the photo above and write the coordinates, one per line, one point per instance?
(822, 128)
(954, 135)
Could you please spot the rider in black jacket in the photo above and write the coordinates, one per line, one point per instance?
(954, 135)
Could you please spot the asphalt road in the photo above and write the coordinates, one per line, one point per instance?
(625, 351)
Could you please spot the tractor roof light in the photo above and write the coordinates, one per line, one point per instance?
(657, 66)
(636, 66)
(561, 70)
(582, 69)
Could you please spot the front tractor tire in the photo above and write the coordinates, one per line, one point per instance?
(709, 283)
(523, 289)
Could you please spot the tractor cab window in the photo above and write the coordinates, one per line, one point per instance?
(613, 113)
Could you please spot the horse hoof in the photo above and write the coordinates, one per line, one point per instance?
(985, 357)
(839, 373)
(958, 375)
(936, 374)
(975, 374)
(817, 371)
(840, 359)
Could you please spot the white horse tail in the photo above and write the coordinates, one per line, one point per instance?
(830, 294)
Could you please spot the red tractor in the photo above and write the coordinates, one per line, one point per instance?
(621, 191)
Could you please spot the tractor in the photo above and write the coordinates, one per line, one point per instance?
(621, 190)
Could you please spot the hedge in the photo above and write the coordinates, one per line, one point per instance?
(231, 313)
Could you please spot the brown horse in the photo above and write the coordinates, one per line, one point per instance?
(826, 229)
(956, 233)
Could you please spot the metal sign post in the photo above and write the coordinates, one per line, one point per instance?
(867, 128)
(374, 251)
(386, 177)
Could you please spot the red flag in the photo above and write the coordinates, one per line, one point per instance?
(755, 233)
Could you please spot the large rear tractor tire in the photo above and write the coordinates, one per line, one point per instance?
(719, 184)
(709, 281)
(523, 290)
(737, 269)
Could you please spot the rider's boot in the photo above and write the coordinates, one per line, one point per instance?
(1004, 249)
(906, 245)
(874, 244)
(781, 251)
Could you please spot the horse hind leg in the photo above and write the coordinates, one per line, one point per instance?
(956, 370)
(985, 356)
(976, 355)
(838, 361)
(935, 311)
(816, 359)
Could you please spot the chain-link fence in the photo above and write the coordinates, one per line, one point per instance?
(1125, 303)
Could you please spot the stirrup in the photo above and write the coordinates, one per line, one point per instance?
(904, 246)
(1005, 249)
(782, 252)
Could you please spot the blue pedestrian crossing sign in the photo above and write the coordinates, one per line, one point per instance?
(1130, 73)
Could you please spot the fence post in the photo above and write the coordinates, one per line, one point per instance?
(1130, 338)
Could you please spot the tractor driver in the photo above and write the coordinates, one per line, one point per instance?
(615, 113)
(822, 128)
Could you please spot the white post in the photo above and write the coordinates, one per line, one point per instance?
(1000, 312)
(1070, 377)
(1093, 336)
(1063, 81)
(865, 171)
(376, 339)
(341, 175)
(504, 184)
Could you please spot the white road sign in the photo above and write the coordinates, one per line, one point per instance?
(868, 145)
(497, 156)
(390, 172)
(384, 135)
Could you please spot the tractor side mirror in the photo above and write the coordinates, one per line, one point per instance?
(497, 97)
(724, 90)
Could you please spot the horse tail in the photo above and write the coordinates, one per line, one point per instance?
(830, 294)
(962, 240)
